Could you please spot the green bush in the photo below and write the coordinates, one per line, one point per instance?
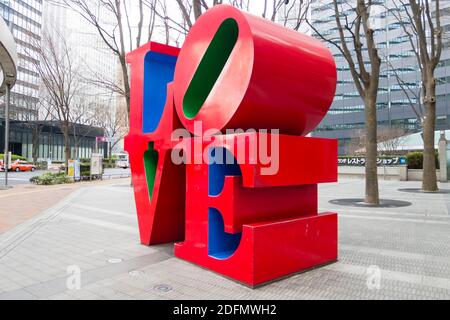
(14, 157)
(415, 160)
(41, 165)
(51, 179)
(110, 162)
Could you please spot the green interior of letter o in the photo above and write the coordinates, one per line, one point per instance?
(210, 67)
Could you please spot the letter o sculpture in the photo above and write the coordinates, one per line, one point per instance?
(236, 70)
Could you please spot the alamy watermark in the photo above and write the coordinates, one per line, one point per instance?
(245, 147)
(373, 278)
(73, 281)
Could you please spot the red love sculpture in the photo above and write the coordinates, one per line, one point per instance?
(243, 204)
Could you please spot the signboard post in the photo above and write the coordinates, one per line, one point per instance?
(96, 165)
(74, 171)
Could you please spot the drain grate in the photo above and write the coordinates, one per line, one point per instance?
(162, 288)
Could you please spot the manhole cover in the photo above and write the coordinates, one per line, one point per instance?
(418, 190)
(358, 202)
(162, 288)
(136, 273)
(114, 260)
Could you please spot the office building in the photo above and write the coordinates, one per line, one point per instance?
(345, 120)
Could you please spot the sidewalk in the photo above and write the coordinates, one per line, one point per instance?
(94, 230)
(22, 202)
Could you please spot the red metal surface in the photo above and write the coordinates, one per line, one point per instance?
(162, 218)
(244, 220)
(282, 233)
(274, 78)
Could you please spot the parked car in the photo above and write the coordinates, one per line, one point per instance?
(21, 165)
(123, 161)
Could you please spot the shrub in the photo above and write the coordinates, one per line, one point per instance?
(41, 165)
(415, 160)
(51, 179)
(14, 157)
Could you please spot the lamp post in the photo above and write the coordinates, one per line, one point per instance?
(8, 76)
(6, 160)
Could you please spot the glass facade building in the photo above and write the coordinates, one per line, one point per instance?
(24, 18)
(51, 140)
(400, 80)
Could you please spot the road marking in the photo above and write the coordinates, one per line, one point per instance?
(117, 189)
(101, 223)
(394, 219)
(110, 212)
(14, 194)
(395, 253)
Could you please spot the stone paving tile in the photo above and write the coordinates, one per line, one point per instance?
(38, 198)
(96, 230)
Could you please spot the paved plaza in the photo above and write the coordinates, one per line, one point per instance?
(384, 253)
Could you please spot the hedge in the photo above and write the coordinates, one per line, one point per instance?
(51, 179)
(14, 157)
(415, 160)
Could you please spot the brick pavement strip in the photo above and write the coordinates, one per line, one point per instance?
(25, 201)
(95, 230)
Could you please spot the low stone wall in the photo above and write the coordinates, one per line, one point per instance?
(416, 174)
(352, 172)
(401, 173)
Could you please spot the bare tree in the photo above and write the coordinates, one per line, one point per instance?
(117, 33)
(422, 25)
(121, 36)
(82, 121)
(390, 139)
(353, 22)
(284, 11)
(412, 92)
(60, 81)
(114, 122)
(34, 119)
(356, 145)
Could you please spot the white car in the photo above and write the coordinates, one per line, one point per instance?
(123, 161)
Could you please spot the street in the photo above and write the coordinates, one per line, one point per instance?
(18, 178)
(15, 178)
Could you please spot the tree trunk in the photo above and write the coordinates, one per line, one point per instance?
(372, 195)
(126, 83)
(429, 182)
(110, 154)
(66, 148)
(35, 140)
